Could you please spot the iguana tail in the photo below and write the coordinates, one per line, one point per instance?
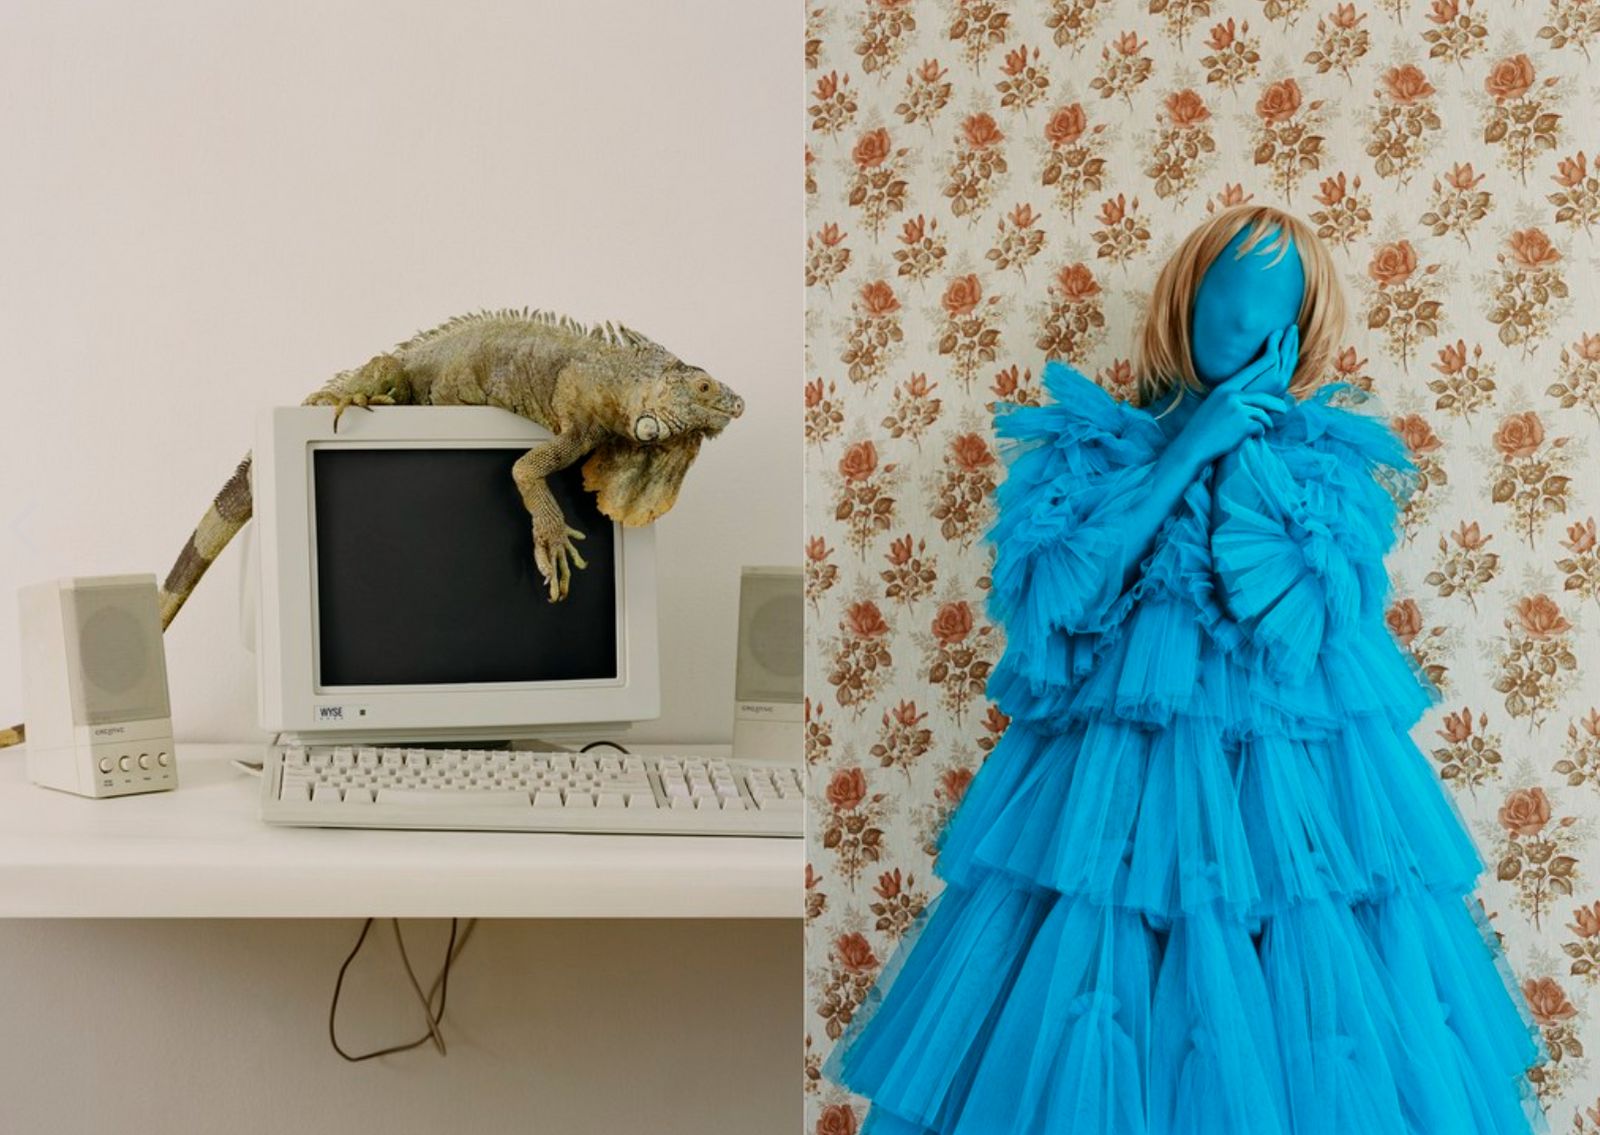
(222, 520)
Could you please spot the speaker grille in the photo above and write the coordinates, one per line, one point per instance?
(118, 671)
(771, 665)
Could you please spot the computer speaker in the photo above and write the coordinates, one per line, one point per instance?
(94, 686)
(769, 678)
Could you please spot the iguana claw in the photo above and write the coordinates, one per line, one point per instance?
(342, 402)
(555, 555)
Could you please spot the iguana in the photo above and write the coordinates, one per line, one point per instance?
(609, 394)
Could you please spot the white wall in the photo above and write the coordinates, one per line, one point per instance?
(208, 208)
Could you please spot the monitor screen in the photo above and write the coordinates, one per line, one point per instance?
(424, 573)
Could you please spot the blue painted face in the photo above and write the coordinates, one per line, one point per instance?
(1240, 302)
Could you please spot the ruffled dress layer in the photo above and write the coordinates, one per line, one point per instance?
(1205, 884)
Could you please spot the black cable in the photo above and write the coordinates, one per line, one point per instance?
(613, 744)
(440, 986)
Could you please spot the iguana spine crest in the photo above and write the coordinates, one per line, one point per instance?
(609, 333)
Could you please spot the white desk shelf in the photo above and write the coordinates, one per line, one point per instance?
(203, 852)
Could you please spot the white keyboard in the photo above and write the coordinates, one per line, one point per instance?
(520, 790)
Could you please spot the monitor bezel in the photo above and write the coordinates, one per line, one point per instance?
(290, 699)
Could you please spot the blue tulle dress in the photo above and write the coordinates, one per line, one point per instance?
(1206, 884)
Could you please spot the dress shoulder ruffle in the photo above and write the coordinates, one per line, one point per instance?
(1073, 466)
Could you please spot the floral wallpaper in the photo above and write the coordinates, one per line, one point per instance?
(994, 183)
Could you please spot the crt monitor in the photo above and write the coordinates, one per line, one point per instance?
(399, 599)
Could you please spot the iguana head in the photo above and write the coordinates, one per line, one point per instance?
(681, 399)
(636, 476)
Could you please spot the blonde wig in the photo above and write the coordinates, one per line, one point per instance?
(1162, 358)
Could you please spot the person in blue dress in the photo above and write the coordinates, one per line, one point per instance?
(1206, 884)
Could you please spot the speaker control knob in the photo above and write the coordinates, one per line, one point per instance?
(124, 763)
(144, 760)
(105, 764)
(163, 760)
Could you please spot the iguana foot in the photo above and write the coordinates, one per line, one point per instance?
(342, 402)
(555, 555)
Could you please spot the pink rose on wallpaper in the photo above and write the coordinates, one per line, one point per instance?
(1571, 171)
(1186, 108)
(1222, 36)
(866, 621)
(1416, 433)
(1580, 537)
(837, 1119)
(872, 149)
(962, 296)
(854, 952)
(1547, 1001)
(1233, 194)
(1587, 924)
(1344, 16)
(1066, 125)
(878, 298)
(1470, 536)
(971, 452)
(1404, 620)
(981, 132)
(847, 789)
(1525, 812)
(1541, 618)
(1519, 435)
(859, 462)
(1452, 357)
(1407, 84)
(1531, 248)
(1076, 282)
(955, 782)
(1279, 101)
(1510, 78)
(953, 623)
(1457, 726)
(1393, 263)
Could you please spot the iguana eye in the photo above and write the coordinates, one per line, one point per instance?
(703, 386)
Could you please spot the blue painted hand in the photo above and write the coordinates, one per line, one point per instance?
(1236, 409)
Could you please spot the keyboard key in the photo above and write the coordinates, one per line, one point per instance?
(409, 796)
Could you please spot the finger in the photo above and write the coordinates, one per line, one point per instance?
(1249, 373)
(1258, 416)
(541, 560)
(577, 559)
(1261, 399)
(575, 534)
